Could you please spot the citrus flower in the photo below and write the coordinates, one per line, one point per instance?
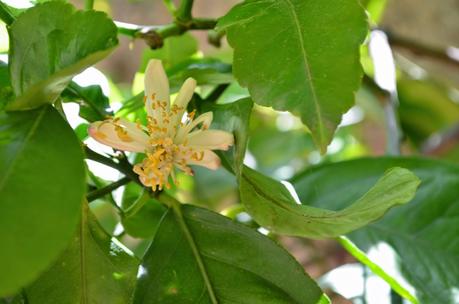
(172, 138)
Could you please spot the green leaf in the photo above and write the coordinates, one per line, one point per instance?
(232, 117)
(175, 50)
(94, 105)
(197, 253)
(273, 207)
(141, 219)
(206, 71)
(42, 185)
(93, 269)
(422, 234)
(6, 91)
(299, 55)
(44, 56)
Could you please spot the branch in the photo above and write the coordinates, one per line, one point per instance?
(154, 35)
(444, 55)
(93, 195)
(123, 166)
(88, 4)
(183, 13)
(5, 14)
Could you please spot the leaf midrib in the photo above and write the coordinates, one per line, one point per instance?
(291, 9)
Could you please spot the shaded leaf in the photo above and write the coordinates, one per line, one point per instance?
(299, 55)
(94, 105)
(93, 269)
(44, 60)
(41, 187)
(240, 264)
(419, 239)
(232, 117)
(141, 219)
(272, 205)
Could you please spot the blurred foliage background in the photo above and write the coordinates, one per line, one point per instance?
(424, 36)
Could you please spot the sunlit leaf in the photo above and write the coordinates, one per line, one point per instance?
(299, 55)
(44, 60)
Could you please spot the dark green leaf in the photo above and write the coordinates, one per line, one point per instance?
(42, 185)
(131, 105)
(46, 55)
(232, 117)
(141, 219)
(423, 233)
(93, 269)
(272, 205)
(241, 265)
(299, 55)
(94, 105)
(206, 71)
(6, 91)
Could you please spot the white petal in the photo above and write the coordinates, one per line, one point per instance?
(185, 93)
(156, 86)
(211, 139)
(210, 160)
(119, 134)
(205, 119)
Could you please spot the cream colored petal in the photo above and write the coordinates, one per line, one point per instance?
(156, 87)
(209, 160)
(119, 134)
(204, 119)
(183, 98)
(210, 139)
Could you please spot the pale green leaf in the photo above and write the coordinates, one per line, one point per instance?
(272, 205)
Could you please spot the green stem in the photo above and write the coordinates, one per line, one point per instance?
(93, 195)
(183, 13)
(88, 4)
(177, 209)
(154, 35)
(5, 14)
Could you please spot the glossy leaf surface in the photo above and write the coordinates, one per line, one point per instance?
(44, 60)
(299, 55)
(240, 265)
(37, 217)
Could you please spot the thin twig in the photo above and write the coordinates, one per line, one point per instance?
(123, 167)
(95, 194)
(183, 13)
(154, 35)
